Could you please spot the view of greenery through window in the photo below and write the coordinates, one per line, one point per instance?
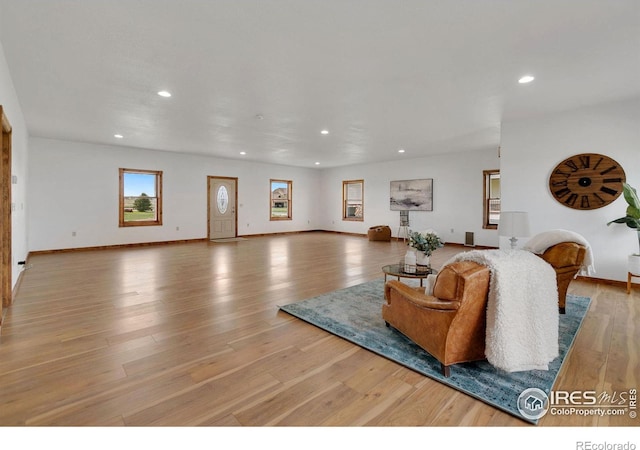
(139, 196)
(139, 200)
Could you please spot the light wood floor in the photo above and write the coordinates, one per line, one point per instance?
(190, 334)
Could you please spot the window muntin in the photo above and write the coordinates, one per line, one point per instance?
(491, 199)
(353, 200)
(140, 198)
(280, 200)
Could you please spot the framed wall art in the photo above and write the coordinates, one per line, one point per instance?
(412, 195)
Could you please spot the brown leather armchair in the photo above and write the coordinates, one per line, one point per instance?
(451, 323)
(566, 258)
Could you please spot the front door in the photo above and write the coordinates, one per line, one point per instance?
(222, 207)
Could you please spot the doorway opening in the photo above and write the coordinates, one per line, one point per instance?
(5, 215)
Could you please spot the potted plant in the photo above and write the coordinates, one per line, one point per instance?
(632, 220)
(425, 243)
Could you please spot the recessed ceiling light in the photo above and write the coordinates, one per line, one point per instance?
(243, 153)
(118, 136)
(317, 163)
(164, 94)
(526, 79)
(325, 132)
(401, 150)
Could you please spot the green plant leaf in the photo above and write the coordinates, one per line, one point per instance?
(632, 219)
(620, 220)
(632, 223)
(634, 212)
(631, 196)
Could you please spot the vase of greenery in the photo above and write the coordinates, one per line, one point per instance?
(632, 220)
(424, 243)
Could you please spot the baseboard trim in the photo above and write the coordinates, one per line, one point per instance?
(617, 283)
(114, 246)
(282, 233)
(19, 280)
(14, 293)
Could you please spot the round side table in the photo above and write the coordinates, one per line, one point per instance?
(395, 270)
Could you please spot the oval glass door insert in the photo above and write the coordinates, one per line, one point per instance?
(222, 199)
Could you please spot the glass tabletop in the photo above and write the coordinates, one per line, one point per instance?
(397, 271)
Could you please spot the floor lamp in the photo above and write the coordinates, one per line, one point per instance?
(513, 224)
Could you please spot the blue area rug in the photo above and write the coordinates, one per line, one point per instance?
(355, 314)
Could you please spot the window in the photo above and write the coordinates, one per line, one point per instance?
(140, 197)
(352, 200)
(280, 199)
(491, 202)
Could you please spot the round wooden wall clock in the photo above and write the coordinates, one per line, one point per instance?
(587, 181)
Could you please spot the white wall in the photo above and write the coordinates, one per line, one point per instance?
(532, 148)
(19, 138)
(457, 195)
(74, 187)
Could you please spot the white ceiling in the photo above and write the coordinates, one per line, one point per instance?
(429, 76)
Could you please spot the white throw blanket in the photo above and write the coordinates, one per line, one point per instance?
(542, 241)
(522, 309)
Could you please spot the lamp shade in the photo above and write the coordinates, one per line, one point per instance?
(513, 224)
